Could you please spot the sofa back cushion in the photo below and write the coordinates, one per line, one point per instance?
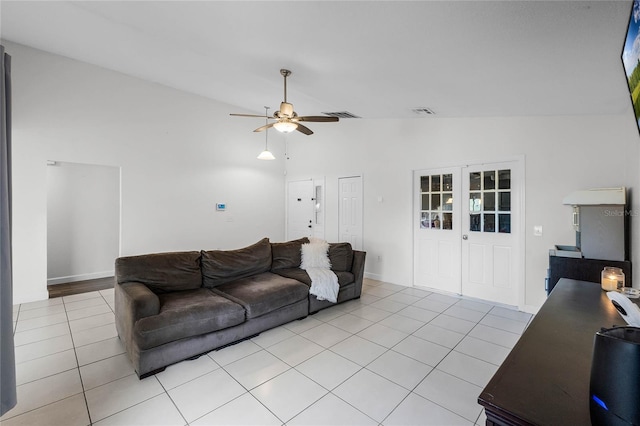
(340, 256)
(223, 266)
(287, 255)
(162, 272)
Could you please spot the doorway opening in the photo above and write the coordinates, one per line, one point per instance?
(83, 223)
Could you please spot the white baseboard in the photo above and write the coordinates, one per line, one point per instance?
(376, 277)
(82, 277)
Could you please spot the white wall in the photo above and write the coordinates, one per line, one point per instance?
(179, 154)
(83, 221)
(561, 154)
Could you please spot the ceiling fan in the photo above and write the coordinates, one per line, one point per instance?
(287, 120)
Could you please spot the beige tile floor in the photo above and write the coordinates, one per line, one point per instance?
(396, 356)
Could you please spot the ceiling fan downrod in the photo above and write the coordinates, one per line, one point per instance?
(285, 73)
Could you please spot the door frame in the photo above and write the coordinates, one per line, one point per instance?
(520, 235)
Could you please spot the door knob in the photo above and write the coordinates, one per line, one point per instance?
(465, 237)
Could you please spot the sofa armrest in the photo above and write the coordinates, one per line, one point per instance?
(357, 269)
(133, 300)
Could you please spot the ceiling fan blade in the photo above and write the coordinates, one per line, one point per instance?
(251, 115)
(265, 127)
(304, 129)
(316, 118)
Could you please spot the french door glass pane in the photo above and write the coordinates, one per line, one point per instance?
(504, 223)
(475, 202)
(447, 221)
(447, 182)
(424, 183)
(474, 181)
(447, 199)
(489, 201)
(504, 179)
(436, 223)
(474, 222)
(435, 183)
(504, 203)
(489, 222)
(424, 220)
(435, 202)
(425, 202)
(490, 180)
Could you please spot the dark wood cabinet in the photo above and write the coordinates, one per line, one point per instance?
(583, 269)
(545, 378)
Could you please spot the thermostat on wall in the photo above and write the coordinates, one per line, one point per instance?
(221, 207)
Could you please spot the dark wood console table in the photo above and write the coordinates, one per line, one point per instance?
(545, 378)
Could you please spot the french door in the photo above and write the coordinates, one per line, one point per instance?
(437, 229)
(467, 230)
(491, 231)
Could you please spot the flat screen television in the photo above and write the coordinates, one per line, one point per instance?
(631, 58)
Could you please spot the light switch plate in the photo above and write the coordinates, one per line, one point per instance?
(537, 231)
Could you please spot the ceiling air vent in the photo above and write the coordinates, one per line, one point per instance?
(341, 114)
(423, 111)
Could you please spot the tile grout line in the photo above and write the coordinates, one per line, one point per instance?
(329, 349)
(84, 393)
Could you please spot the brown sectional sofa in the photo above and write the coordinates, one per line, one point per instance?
(174, 306)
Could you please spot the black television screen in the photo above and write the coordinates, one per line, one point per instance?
(631, 58)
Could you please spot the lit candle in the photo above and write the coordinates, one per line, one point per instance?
(611, 278)
(609, 283)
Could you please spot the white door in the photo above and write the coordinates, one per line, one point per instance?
(300, 209)
(491, 231)
(350, 226)
(437, 229)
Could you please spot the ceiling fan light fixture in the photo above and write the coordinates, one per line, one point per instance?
(285, 126)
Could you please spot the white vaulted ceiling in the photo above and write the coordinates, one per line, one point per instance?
(375, 59)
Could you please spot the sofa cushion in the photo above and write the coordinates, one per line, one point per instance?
(186, 314)
(340, 256)
(263, 293)
(301, 275)
(223, 266)
(162, 272)
(287, 254)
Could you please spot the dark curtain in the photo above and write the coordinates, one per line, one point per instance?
(7, 354)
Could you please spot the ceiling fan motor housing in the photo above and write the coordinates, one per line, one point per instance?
(286, 110)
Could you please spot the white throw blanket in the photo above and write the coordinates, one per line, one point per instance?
(324, 284)
(315, 260)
